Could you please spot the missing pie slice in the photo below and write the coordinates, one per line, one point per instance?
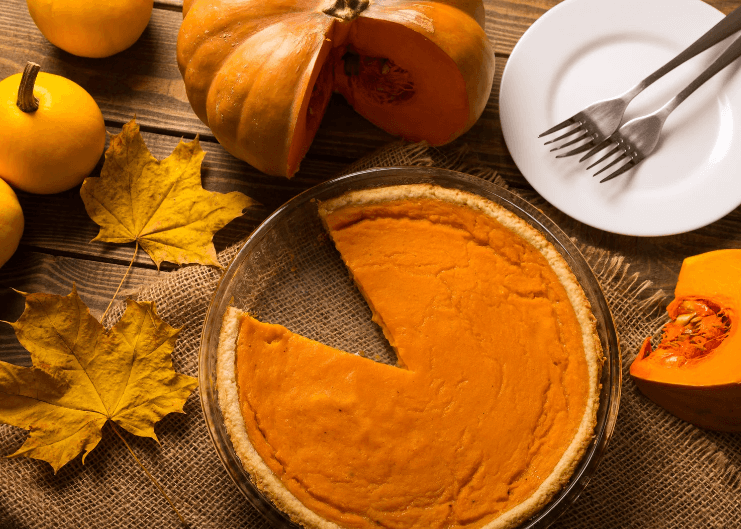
(494, 398)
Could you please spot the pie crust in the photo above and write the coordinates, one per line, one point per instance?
(358, 203)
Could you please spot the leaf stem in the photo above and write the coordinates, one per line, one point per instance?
(123, 279)
(151, 477)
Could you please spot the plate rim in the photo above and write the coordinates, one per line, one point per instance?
(519, 154)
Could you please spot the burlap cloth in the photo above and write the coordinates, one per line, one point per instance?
(658, 471)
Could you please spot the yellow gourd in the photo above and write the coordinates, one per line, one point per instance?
(11, 222)
(52, 133)
(91, 28)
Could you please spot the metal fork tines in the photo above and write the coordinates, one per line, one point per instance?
(638, 137)
(597, 122)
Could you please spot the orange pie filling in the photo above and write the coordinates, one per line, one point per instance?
(494, 398)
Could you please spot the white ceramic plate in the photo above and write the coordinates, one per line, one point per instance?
(582, 51)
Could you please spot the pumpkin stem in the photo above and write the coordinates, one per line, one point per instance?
(346, 9)
(27, 102)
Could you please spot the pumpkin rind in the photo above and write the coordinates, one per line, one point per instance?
(250, 67)
(705, 390)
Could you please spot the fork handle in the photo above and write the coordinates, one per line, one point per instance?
(731, 53)
(722, 30)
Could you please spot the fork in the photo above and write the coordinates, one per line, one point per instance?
(599, 120)
(638, 137)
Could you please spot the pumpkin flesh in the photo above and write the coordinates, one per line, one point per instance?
(419, 94)
(695, 371)
(246, 94)
(313, 106)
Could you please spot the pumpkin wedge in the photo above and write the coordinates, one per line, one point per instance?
(260, 74)
(695, 371)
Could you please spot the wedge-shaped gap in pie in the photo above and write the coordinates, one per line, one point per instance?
(297, 279)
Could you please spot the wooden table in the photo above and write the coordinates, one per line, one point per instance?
(56, 252)
(144, 80)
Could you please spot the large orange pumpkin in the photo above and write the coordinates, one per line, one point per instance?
(695, 372)
(260, 73)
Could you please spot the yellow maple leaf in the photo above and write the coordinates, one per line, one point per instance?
(83, 375)
(159, 204)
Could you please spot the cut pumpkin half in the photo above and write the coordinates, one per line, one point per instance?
(695, 370)
(260, 74)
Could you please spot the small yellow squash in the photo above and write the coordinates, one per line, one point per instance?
(11, 222)
(52, 132)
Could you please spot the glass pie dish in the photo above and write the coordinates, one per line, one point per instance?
(288, 272)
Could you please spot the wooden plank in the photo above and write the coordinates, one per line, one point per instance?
(31, 272)
(726, 6)
(145, 79)
(59, 224)
(507, 20)
(485, 138)
(172, 5)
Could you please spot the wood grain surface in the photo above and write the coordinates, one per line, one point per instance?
(56, 250)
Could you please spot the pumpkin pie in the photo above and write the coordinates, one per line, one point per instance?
(494, 397)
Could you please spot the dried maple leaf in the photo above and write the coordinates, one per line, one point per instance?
(159, 204)
(84, 375)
